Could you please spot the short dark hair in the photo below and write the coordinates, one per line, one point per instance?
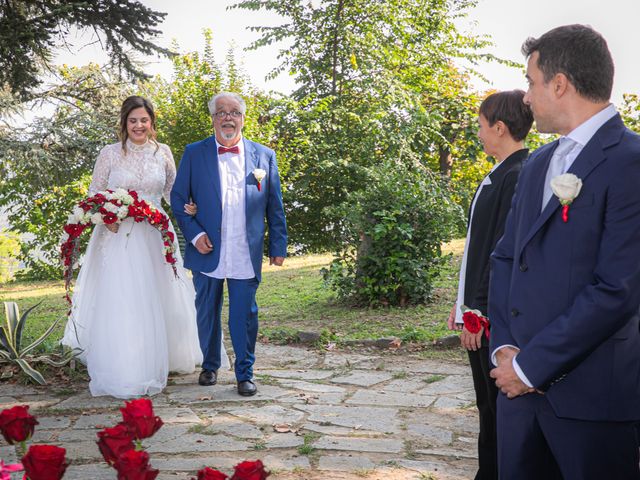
(581, 54)
(509, 108)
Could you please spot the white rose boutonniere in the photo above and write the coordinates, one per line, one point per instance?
(259, 174)
(566, 187)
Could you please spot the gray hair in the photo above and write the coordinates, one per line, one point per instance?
(235, 96)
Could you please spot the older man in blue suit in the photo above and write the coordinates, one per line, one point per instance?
(236, 186)
(565, 286)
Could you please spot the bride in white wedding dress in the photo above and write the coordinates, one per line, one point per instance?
(134, 320)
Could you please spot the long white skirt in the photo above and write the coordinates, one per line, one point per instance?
(133, 319)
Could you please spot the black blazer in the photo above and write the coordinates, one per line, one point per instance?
(489, 216)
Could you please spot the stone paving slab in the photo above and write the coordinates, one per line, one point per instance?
(235, 427)
(318, 415)
(381, 445)
(391, 399)
(384, 420)
(268, 415)
(196, 394)
(363, 378)
(345, 463)
(298, 374)
(312, 387)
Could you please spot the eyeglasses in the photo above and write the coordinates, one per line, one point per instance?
(222, 114)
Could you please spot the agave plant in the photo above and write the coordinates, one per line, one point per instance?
(11, 348)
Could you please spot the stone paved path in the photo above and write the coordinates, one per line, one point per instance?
(331, 415)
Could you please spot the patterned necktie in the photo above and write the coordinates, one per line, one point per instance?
(222, 150)
(557, 166)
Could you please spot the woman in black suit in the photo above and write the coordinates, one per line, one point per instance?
(504, 122)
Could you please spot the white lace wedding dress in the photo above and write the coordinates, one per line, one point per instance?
(132, 318)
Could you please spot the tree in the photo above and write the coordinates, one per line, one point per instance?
(399, 224)
(630, 111)
(46, 165)
(31, 29)
(364, 70)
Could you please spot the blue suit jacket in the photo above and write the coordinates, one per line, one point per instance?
(568, 294)
(198, 178)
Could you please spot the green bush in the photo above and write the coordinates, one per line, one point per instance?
(391, 237)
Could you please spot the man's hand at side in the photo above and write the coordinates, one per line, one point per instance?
(203, 244)
(277, 261)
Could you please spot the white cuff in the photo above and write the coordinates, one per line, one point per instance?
(493, 354)
(520, 373)
(195, 239)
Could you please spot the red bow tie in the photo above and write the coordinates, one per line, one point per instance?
(233, 149)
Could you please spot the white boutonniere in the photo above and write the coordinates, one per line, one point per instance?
(566, 187)
(259, 174)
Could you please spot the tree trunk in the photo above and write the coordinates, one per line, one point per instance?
(446, 161)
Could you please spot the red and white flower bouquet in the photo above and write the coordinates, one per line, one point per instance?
(111, 207)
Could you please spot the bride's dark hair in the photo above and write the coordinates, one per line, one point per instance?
(129, 104)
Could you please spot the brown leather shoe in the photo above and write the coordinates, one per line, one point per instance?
(247, 388)
(208, 377)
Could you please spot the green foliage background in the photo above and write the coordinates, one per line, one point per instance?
(382, 124)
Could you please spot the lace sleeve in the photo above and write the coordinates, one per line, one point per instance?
(100, 177)
(170, 173)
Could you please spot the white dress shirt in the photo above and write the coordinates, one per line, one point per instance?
(463, 266)
(580, 136)
(235, 260)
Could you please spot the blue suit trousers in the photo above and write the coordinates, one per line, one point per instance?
(243, 321)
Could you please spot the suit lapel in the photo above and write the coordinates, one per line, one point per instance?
(210, 155)
(250, 158)
(250, 163)
(533, 215)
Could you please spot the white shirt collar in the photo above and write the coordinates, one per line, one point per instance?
(583, 132)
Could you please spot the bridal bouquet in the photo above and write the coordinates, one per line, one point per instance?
(110, 207)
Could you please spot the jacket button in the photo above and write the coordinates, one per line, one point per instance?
(515, 312)
(523, 267)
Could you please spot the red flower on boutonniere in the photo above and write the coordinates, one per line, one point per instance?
(474, 321)
(259, 174)
(566, 187)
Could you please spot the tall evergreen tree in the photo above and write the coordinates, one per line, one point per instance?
(30, 30)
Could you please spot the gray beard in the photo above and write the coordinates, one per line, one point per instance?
(228, 136)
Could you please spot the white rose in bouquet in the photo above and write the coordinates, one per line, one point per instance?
(96, 218)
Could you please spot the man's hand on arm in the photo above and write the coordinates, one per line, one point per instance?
(203, 244)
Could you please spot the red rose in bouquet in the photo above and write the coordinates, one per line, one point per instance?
(16, 424)
(138, 415)
(210, 474)
(134, 465)
(250, 471)
(474, 321)
(44, 462)
(114, 441)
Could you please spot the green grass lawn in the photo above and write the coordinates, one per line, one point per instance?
(291, 298)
